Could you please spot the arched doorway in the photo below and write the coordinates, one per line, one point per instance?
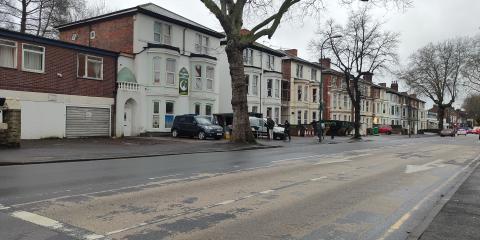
(128, 118)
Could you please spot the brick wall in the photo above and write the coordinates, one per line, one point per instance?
(114, 34)
(287, 69)
(59, 61)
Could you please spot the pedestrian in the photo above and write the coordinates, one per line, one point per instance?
(333, 129)
(270, 126)
(314, 126)
(286, 130)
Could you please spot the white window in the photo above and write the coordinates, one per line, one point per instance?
(198, 77)
(277, 115)
(33, 58)
(169, 114)
(89, 67)
(156, 115)
(314, 116)
(171, 69)
(277, 88)
(305, 117)
(201, 44)
(210, 77)
(299, 73)
(156, 70)
(208, 109)
(345, 101)
(271, 62)
(299, 118)
(162, 33)
(314, 95)
(255, 85)
(8, 54)
(248, 56)
(269, 87)
(255, 109)
(314, 75)
(299, 93)
(334, 101)
(247, 83)
(269, 112)
(305, 97)
(334, 117)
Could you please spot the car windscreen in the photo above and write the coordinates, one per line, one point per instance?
(203, 121)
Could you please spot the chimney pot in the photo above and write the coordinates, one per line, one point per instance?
(394, 86)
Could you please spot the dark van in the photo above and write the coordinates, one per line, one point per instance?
(193, 125)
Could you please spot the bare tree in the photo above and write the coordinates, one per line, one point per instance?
(472, 69)
(39, 17)
(231, 15)
(358, 49)
(435, 71)
(471, 104)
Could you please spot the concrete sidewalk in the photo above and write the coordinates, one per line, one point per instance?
(76, 150)
(460, 217)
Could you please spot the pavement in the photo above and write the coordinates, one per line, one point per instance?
(380, 188)
(460, 216)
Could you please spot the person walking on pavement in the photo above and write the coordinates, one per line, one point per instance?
(314, 126)
(270, 126)
(286, 130)
(333, 130)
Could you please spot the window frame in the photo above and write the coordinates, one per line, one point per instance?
(155, 71)
(157, 114)
(277, 88)
(23, 58)
(270, 89)
(212, 79)
(255, 85)
(248, 56)
(168, 114)
(15, 55)
(162, 34)
(313, 74)
(169, 72)
(200, 46)
(86, 66)
(196, 78)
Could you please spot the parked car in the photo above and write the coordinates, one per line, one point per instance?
(387, 129)
(448, 132)
(476, 130)
(200, 126)
(462, 131)
(259, 128)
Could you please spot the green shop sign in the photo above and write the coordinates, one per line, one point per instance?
(183, 81)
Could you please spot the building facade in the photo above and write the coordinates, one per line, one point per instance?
(65, 90)
(168, 65)
(263, 75)
(301, 81)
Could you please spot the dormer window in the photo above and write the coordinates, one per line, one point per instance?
(162, 33)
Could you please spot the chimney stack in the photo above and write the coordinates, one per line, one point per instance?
(325, 62)
(383, 84)
(292, 52)
(368, 76)
(394, 86)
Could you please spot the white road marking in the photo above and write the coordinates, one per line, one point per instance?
(37, 219)
(267, 191)
(360, 155)
(155, 178)
(93, 237)
(297, 158)
(397, 225)
(424, 167)
(225, 202)
(248, 196)
(3, 207)
(334, 161)
(318, 179)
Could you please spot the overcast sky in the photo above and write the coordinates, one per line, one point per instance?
(427, 21)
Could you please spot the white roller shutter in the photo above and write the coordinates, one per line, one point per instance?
(87, 122)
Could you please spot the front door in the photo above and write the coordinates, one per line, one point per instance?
(127, 122)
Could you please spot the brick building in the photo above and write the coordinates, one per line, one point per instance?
(65, 90)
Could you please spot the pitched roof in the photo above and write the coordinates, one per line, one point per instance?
(151, 10)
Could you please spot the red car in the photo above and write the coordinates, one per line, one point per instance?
(387, 129)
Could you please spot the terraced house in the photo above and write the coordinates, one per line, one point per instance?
(263, 75)
(301, 84)
(167, 66)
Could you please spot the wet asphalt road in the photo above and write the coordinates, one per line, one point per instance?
(378, 189)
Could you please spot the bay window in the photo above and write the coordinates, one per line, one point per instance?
(210, 77)
(171, 69)
(277, 88)
(33, 58)
(198, 77)
(156, 70)
(8, 54)
(255, 85)
(269, 87)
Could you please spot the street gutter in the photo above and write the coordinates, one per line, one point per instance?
(249, 148)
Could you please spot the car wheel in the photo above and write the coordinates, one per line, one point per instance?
(201, 135)
(174, 133)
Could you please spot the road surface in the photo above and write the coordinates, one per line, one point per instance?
(381, 189)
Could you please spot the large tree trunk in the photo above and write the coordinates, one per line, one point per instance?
(242, 132)
(441, 116)
(357, 118)
(23, 19)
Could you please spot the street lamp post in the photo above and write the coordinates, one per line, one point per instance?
(319, 126)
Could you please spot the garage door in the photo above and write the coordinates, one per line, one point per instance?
(87, 122)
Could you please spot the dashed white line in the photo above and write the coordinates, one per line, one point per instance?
(318, 179)
(225, 202)
(334, 161)
(37, 219)
(2, 207)
(93, 237)
(267, 191)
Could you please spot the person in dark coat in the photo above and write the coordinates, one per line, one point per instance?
(315, 127)
(286, 130)
(270, 126)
